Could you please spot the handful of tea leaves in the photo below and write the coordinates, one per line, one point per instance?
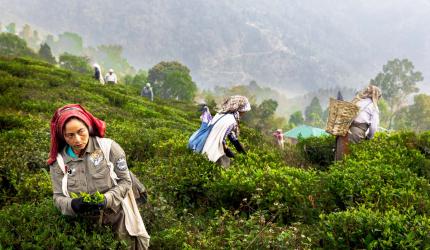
(96, 198)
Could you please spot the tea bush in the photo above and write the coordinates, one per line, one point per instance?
(397, 149)
(318, 150)
(264, 182)
(41, 226)
(364, 228)
(379, 186)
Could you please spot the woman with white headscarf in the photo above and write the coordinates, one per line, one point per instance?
(98, 73)
(226, 124)
(366, 123)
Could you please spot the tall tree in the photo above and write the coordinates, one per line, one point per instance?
(267, 108)
(262, 117)
(296, 118)
(420, 113)
(313, 113)
(178, 85)
(416, 116)
(46, 54)
(172, 80)
(159, 71)
(397, 81)
(141, 78)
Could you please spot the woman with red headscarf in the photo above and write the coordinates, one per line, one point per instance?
(79, 164)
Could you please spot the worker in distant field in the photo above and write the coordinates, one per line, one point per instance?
(147, 92)
(111, 78)
(279, 136)
(78, 164)
(98, 73)
(366, 123)
(226, 125)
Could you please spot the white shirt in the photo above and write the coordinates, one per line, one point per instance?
(110, 78)
(368, 114)
(214, 147)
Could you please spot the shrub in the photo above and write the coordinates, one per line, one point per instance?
(379, 186)
(261, 182)
(318, 150)
(41, 226)
(364, 228)
(396, 149)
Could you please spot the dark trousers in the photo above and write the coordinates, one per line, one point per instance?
(357, 132)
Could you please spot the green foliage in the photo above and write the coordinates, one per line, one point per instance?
(13, 46)
(403, 149)
(415, 116)
(172, 80)
(397, 81)
(46, 54)
(230, 230)
(158, 72)
(96, 198)
(364, 228)
(140, 79)
(381, 189)
(178, 85)
(296, 118)
(318, 150)
(262, 117)
(41, 226)
(76, 63)
(313, 113)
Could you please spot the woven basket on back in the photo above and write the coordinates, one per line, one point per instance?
(340, 116)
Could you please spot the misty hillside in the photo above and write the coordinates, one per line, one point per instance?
(294, 46)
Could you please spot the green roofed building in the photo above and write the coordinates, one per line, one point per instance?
(303, 131)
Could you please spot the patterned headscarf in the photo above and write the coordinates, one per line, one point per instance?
(370, 91)
(236, 103)
(95, 126)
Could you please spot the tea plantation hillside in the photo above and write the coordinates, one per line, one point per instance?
(377, 198)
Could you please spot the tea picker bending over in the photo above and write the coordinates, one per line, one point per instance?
(80, 162)
(226, 124)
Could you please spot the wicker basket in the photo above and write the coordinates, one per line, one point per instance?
(340, 116)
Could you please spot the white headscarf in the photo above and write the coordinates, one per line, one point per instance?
(370, 91)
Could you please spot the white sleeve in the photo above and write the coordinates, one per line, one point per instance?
(374, 124)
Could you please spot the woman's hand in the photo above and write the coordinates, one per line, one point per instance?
(80, 206)
(228, 152)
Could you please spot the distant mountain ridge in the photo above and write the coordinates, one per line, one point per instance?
(292, 46)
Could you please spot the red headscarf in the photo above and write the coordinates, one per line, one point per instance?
(95, 126)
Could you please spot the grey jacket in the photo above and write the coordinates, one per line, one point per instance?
(90, 174)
